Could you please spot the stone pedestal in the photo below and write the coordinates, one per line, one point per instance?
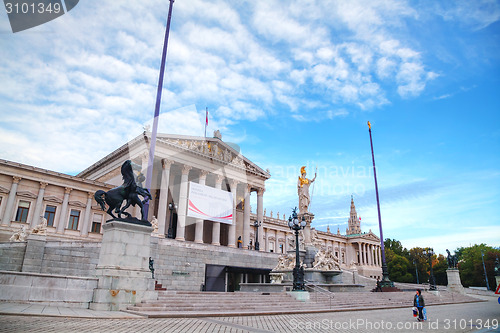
(454, 283)
(123, 268)
(33, 257)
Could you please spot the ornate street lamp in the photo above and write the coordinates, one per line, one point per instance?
(429, 252)
(171, 207)
(298, 271)
(257, 224)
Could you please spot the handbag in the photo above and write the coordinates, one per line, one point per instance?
(415, 311)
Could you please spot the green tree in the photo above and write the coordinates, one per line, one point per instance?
(418, 259)
(398, 269)
(470, 265)
(440, 265)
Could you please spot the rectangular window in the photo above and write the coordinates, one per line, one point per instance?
(50, 215)
(74, 217)
(22, 211)
(96, 223)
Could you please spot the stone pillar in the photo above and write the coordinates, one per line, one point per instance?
(64, 211)
(7, 216)
(181, 217)
(361, 259)
(216, 225)
(38, 206)
(198, 234)
(246, 218)
(378, 256)
(33, 257)
(260, 216)
(454, 283)
(163, 204)
(123, 267)
(370, 255)
(231, 238)
(88, 214)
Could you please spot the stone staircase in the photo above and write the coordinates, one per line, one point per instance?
(204, 304)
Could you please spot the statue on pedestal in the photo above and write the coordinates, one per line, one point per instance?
(452, 260)
(303, 190)
(128, 191)
(20, 235)
(40, 229)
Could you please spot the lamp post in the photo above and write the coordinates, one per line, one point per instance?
(298, 271)
(257, 224)
(170, 232)
(416, 270)
(386, 282)
(484, 267)
(432, 282)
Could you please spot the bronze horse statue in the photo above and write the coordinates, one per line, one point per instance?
(128, 191)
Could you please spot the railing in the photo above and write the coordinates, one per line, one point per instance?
(320, 290)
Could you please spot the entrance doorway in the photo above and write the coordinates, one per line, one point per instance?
(229, 278)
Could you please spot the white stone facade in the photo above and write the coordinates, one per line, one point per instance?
(28, 193)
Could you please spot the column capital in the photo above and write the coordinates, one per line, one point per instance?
(248, 188)
(90, 195)
(185, 169)
(219, 179)
(165, 164)
(16, 179)
(233, 182)
(68, 190)
(261, 191)
(204, 173)
(43, 185)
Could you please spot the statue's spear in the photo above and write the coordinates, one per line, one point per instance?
(314, 183)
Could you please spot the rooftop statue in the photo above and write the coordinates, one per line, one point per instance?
(128, 191)
(303, 190)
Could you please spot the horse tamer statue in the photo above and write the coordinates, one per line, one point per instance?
(128, 191)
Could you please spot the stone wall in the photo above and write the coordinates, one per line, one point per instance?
(181, 265)
(12, 256)
(71, 258)
(48, 289)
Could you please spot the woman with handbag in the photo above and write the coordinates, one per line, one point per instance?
(419, 303)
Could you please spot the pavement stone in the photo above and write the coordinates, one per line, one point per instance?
(467, 317)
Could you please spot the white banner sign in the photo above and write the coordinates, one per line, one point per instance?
(209, 203)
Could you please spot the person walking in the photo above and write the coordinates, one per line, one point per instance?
(419, 303)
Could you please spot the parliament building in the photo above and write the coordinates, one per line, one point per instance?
(189, 253)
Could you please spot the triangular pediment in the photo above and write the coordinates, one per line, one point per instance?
(27, 194)
(77, 204)
(215, 150)
(4, 190)
(52, 198)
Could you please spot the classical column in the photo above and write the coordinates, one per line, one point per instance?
(379, 257)
(38, 206)
(64, 211)
(84, 231)
(163, 203)
(260, 215)
(266, 247)
(362, 253)
(7, 216)
(198, 233)
(181, 218)
(216, 225)
(231, 238)
(246, 218)
(371, 254)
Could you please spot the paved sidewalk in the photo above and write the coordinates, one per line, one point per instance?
(468, 317)
(59, 311)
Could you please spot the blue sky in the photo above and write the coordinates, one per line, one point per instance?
(292, 83)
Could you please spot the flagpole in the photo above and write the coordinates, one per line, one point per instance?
(386, 282)
(206, 120)
(151, 156)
